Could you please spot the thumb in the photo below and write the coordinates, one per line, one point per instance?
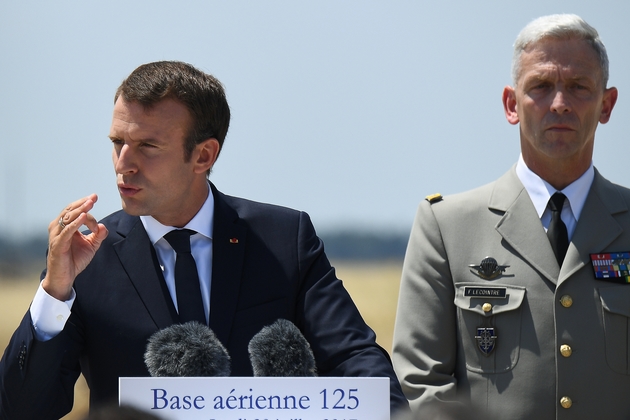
(99, 236)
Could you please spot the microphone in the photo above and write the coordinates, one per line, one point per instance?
(190, 349)
(280, 349)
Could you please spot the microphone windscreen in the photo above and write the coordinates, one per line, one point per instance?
(280, 349)
(190, 349)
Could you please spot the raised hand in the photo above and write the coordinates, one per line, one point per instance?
(70, 251)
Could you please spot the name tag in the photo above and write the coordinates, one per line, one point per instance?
(613, 267)
(486, 292)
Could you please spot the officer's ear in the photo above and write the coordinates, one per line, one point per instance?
(608, 103)
(509, 105)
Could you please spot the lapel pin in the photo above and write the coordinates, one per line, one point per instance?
(488, 269)
(234, 240)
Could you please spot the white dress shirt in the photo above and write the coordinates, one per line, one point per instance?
(200, 246)
(49, 315)
(540, 191)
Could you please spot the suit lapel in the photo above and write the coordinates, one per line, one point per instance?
(228, 252)
(135, 252)
(597, 228)
(520, 225)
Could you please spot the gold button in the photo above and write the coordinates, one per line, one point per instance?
(565, 350)
(486, 307)
(566, 402)
(566, 301)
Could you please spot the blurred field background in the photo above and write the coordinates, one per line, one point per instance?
(372, 285)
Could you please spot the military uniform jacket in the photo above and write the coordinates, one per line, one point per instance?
(557, 339)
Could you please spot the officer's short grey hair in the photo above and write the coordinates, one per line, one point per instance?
(565, 26)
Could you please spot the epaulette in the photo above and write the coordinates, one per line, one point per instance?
(434, 198)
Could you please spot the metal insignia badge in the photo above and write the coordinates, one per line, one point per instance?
(488, 269)
(486, 340)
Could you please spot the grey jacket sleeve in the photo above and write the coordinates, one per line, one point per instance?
(425, 343)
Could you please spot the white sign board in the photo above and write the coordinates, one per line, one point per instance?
(257, 398)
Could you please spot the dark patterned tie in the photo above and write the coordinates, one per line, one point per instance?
(189, 303)
(557, 232)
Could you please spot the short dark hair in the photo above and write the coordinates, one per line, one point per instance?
(202, 94)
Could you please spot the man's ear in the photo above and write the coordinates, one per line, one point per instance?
(509, 105)
(205, 155)
(608, 103)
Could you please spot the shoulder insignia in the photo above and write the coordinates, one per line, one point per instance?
(434, 198)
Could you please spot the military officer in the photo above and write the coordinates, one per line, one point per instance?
(513, 301)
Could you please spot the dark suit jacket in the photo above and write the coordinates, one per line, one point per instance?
(277, 269)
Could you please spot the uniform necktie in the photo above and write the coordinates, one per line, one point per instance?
(189, 303)
(557, 232)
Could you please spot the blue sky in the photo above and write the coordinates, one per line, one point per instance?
(352, 111)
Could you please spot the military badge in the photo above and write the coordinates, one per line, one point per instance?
(488, 269)
(486, 340)
(613, 267)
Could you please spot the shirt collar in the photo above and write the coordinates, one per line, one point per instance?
(540, 191)
(202, 222)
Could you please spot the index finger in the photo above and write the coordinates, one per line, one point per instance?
(78, 204)
(74, 211)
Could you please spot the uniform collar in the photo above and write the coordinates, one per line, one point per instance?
(540, 191)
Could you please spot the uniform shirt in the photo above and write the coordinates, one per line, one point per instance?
(540, 191)
(49, 315)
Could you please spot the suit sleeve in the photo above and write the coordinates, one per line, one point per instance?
(37, 377)
(342, 342)
(425, 344)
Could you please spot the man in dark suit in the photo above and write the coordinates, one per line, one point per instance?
(104, 293)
